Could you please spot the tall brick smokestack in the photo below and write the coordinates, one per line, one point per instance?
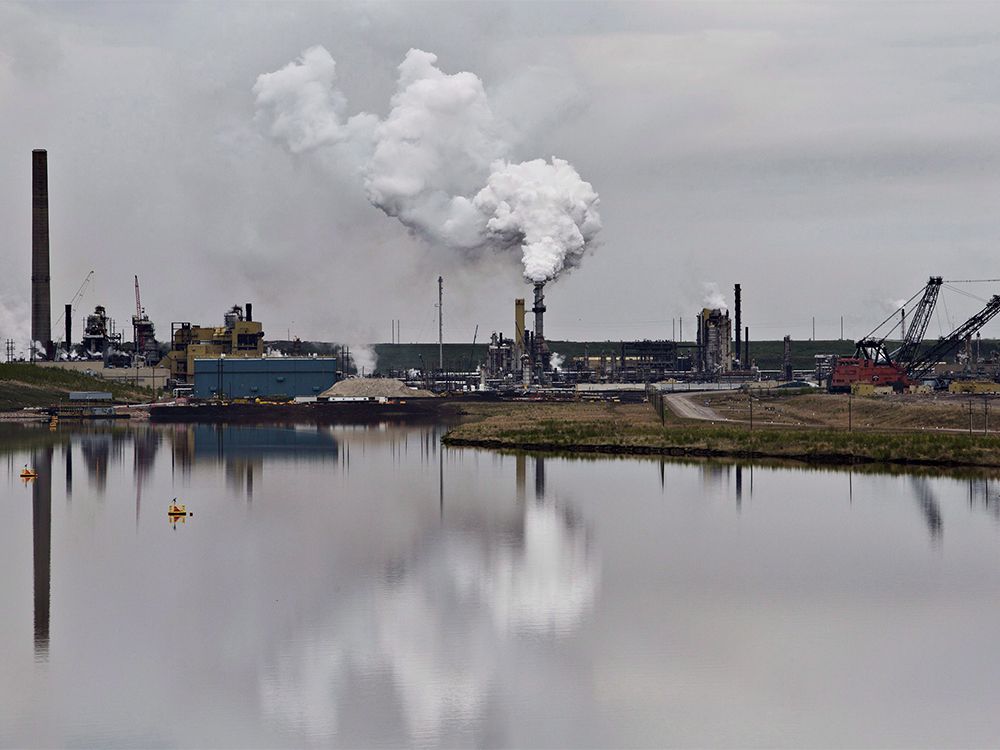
(41, 311)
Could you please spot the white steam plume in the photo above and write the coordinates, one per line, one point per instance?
(14, 322)
(300, 106)
(363, 357)
(438, 162)
(713, 298)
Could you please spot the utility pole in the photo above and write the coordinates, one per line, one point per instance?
(440, 323)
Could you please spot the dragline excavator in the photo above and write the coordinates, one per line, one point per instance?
(873, 363)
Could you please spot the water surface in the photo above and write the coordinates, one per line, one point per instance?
(362, 586)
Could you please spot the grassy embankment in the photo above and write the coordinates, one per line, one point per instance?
(23, 385)
(638, 429)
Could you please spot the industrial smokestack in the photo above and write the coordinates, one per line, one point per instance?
(746, 346)
(41, 310)
(69, 328)
(540, 350)
(737, 305)
(518, 328)
(249, 311)
(539, 309)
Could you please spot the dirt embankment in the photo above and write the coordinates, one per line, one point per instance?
(839, 411)
(638, 429)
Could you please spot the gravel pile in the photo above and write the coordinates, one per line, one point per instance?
(374, 388)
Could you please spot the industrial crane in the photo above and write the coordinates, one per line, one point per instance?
(872, 363)
(76, 297)
(945, 346)
(907, 365)
(143, 333)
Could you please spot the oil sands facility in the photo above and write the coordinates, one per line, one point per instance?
(231, 360)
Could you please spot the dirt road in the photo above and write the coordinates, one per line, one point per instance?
(687, 406)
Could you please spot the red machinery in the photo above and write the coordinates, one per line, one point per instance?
(872, 363)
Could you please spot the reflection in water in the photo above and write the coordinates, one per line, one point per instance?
(68, 457)
(929, 505)
(739, 486)
(41, 533)
(979, 495)
(446, 625)
(96, 450)
(241, 449)
(440, 624)
(539, 477)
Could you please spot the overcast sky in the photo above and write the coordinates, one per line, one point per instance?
(830, 157)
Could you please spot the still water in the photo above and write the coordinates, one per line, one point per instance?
(362, 586)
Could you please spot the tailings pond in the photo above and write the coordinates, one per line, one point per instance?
(363, 586)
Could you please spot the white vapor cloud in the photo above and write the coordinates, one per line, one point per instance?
(438, 161)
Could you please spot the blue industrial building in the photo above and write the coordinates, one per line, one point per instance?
(263, 377)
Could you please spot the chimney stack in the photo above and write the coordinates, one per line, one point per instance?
(69, 328)
(738, 310)
(540, 350)
(41, 310)
(518, 328)
(249, 311)
(539, 309)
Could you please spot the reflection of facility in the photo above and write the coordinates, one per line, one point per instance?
(239, 336)
(242, 449)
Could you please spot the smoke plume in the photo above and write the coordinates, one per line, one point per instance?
(713, 298)
(14, 322)
(438, 162)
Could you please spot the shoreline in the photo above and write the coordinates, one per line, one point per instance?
(680, 451)
(637, 430)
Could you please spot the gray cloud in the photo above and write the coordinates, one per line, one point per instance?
(824, 155)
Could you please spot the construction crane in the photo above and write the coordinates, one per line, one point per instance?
(873, 363)
(919, 320)
(76, 297)
(143, 333)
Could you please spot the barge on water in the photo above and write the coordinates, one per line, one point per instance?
(87, 405)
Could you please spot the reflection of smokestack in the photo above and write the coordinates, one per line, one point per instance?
(68, 314)
(41, 312)
(249, 312)
(41, 527)
(737, 305)
(539, 478)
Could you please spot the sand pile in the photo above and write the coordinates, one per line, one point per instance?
(374, 388)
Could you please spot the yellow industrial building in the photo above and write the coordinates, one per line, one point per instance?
(238, 337)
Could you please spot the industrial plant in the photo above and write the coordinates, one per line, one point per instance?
(232, 361)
